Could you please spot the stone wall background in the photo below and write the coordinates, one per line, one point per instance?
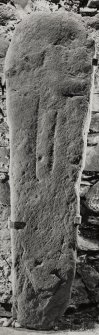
(84, 305)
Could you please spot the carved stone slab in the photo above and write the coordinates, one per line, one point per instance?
(48, 71)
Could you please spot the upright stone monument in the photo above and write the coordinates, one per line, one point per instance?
(48, 70)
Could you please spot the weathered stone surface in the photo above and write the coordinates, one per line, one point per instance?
(7, 12)
(94, 125)
(48, 70)
(79, 294)
(92, 160)
(92, 198)
(92, 140)
(5, 248)
(4, 159)
(3, 46)
(22, 3)
(94, 22)
(53, 5)
(83, 190)
(6, 31)
(88, 11)
(95, 103)
(93, 4)
(4, 192)
(10, 331)
(90, 278)
(87, 245)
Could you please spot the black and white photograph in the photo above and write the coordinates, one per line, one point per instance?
(49, 167)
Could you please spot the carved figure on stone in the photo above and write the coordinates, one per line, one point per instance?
(48, 75)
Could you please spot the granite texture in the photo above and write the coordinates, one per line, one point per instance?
(47, 105)
(83, 312)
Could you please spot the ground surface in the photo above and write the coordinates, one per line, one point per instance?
(10, 331)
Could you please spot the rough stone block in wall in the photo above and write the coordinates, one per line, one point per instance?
(48, 71)
(93, 4)
(7, 12)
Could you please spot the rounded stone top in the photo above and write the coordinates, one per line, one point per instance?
(43, 29)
